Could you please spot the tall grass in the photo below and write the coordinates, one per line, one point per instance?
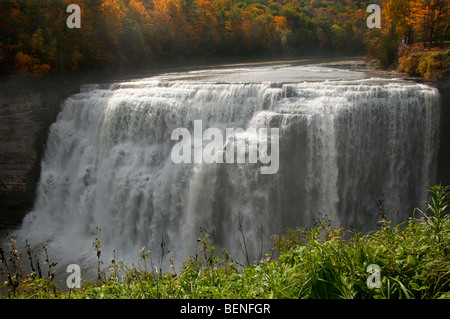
(320, 262)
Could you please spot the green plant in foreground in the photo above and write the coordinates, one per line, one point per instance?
(320, 262)
(35, 284)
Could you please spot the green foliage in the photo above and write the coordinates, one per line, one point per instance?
(388, 51)
(382, 47)
(320, 262)
(431, 65)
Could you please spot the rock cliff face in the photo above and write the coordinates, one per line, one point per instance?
(444, 148)
(27, 107)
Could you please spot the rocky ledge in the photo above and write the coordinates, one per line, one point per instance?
(28, 106)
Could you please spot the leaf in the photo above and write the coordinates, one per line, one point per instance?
(416, 287)
(411, 260)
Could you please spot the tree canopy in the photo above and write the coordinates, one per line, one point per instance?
(34, 36)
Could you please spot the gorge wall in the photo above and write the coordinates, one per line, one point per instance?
(28, 105)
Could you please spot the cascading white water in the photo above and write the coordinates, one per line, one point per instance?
(343, 144)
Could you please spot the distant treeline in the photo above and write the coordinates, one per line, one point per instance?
(34, 36)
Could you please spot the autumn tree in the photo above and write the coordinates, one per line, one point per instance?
(430, 18)
(397, 14)
(205, 25)
(34, 37)
(382, 44)
(136, 39)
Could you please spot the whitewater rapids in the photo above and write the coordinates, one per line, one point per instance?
(344, 145)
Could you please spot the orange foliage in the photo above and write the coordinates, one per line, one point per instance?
(76, 58)
(124, 32)
(280, 23)
(23, 62)
(41, 69)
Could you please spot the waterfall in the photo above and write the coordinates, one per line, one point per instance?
(343, 145)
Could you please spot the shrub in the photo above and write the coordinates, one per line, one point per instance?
(35, 284)
(23, 62)
(430, 65)
(409, 63)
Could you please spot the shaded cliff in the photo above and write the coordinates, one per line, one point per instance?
(28, 106)
(444, 149)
